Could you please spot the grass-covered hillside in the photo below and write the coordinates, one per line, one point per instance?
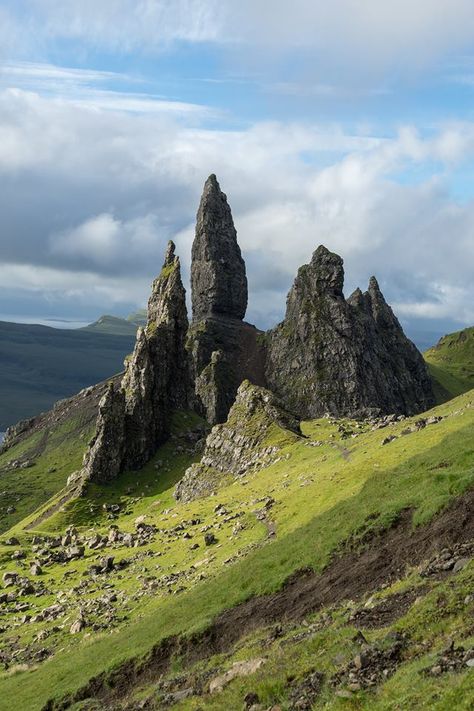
(451, 364)
(339, 577)
(44, 453)
(40, 365)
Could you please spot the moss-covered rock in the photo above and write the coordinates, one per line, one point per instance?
(256, 430)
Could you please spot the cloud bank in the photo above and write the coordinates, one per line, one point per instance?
(90, 197)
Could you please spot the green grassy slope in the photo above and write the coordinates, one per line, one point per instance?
(323, 496)
(39, 365)
(451, 364)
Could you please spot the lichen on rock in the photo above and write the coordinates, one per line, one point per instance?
(257, 428)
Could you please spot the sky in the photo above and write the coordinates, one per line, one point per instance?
(349, 124)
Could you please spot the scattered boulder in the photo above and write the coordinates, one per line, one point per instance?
(304, 693)
(451, 659)
(238, 669)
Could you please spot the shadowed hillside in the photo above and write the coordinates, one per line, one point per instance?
(39, 365)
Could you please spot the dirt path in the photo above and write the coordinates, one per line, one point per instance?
(384, 559)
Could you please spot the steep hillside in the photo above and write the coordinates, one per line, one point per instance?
(369, 523)
(39, 365)
(451, 364)
(40, 454)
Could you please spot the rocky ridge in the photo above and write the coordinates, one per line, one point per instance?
(346, 357)
(256, 429)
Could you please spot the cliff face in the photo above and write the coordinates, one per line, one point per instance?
(134, 419)
(156, 377)
(343, 357)
(224, 350)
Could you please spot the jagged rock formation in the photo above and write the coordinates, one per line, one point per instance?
(218, 279)
(346, 357)
(156, 376)
(343, 357)
(256, 429)
(135, 419)
(224, 349)
(103, 460)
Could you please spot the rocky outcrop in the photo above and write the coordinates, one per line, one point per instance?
(103, 460)
(135, 419)
(224, 349)
(257, 428)
(218, 279)
(156, 379)
(343, 357)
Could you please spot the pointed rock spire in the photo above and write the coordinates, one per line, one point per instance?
(135, 420)
(218, 279)
(322, 277)
(167, 302)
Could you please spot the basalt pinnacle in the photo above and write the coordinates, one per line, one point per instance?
(135, 420)
(218, 280)
(223, 349)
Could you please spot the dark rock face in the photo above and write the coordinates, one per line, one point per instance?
(103, 460)
(343, 357)
(256, 429)
(134, 420)
(224, 350)
(218, 280)
(156, 376)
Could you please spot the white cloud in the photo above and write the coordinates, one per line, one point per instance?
(106, 189)
(103, 239)
(347, 34)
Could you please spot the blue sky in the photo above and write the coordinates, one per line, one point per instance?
(349, 124)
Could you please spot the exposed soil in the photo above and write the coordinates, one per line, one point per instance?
(383, 559)
(388, 610)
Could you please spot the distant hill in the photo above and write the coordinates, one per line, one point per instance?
(40, 365)
(112, 325)
(451, 364)
(138, 317)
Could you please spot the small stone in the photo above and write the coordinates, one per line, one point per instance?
(209, 538)
(460, 564)
(77, 626)
(344, 694)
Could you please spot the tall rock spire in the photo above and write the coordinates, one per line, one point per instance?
(156, 376)
(218, 280)
(224, 350)
(135, 420)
